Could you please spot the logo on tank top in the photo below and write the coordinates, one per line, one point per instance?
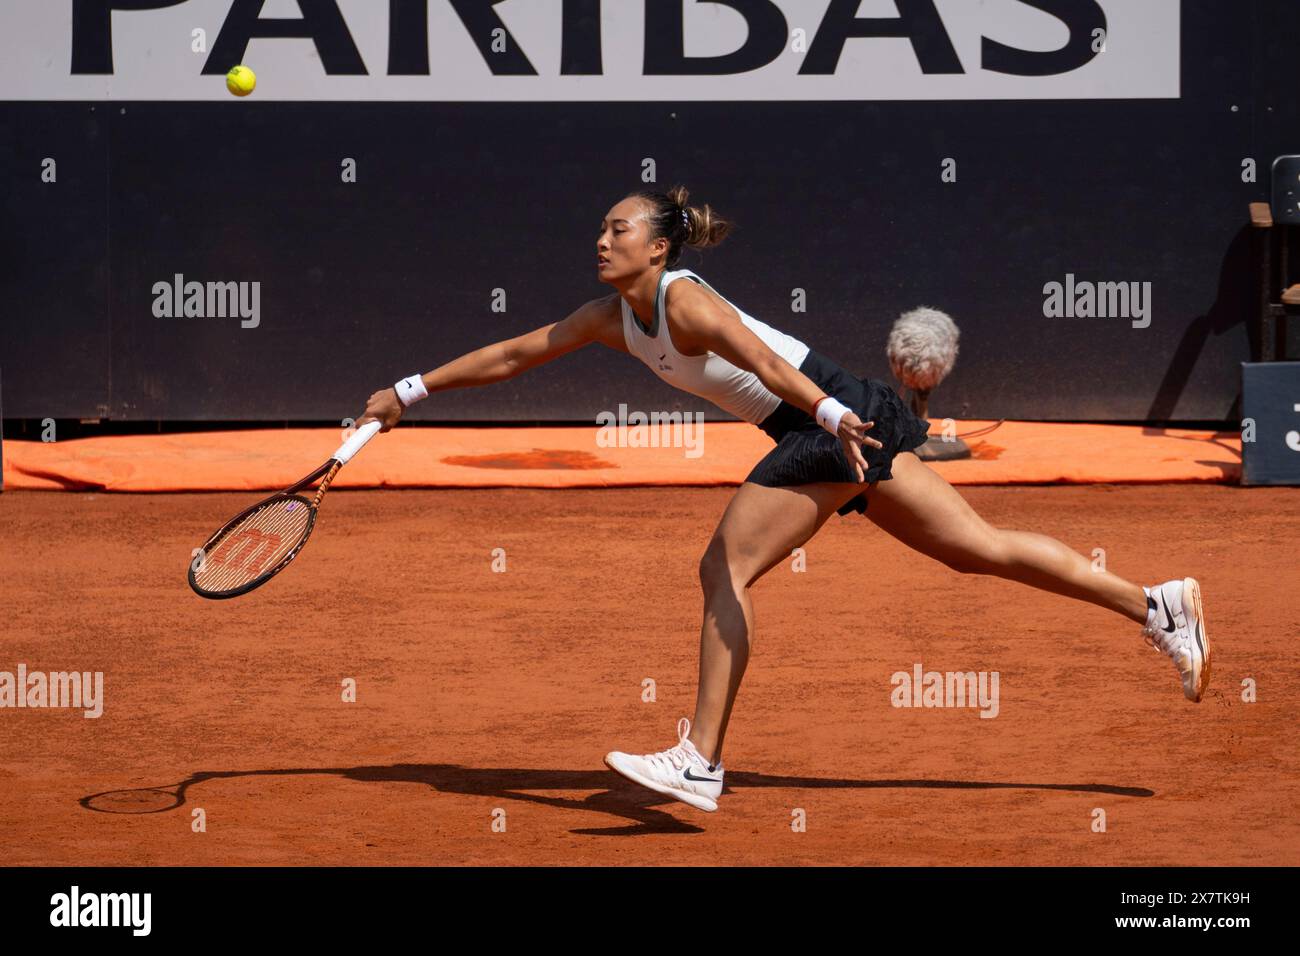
(662, 366)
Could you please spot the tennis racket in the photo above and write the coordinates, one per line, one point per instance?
(259, 542)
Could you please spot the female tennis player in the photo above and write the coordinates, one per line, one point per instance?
(841, 443)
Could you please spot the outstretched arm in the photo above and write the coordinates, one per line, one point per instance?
(708, 323)
(591, 322)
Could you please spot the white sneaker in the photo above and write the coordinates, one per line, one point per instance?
(679, 772)
(1178, 630)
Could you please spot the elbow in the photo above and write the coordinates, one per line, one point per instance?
(508, 362)
(773, 370)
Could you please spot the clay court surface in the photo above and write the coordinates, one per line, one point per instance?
(479, 690)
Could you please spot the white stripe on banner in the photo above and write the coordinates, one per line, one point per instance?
(547, 50)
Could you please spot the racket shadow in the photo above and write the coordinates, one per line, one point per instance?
(611, 793)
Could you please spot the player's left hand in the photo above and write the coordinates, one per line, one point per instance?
(853, 435)
(382, 407)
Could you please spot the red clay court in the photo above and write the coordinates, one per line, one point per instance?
(480, 692)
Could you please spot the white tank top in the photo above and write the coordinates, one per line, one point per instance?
(710, 376)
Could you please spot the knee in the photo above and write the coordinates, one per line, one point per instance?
(986, 556)
(715, 570)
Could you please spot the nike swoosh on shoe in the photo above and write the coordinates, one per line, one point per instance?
(690, 776)
(1169, 627)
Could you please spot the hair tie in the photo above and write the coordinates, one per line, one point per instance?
(686, 220)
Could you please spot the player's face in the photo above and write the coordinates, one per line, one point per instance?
(623, 245)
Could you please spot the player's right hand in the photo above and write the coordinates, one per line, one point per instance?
(853, 435)
(382, 407)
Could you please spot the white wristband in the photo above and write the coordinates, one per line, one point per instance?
(410, 390)
(829, 413)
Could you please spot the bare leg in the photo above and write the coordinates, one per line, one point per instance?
(918, 507)
(759, 529)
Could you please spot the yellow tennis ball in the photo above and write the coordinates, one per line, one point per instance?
(241, 80)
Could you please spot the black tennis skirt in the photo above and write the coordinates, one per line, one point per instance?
(806, 453)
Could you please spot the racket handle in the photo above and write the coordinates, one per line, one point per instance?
(355, 443)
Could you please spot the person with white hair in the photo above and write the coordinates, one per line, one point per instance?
(841, 443)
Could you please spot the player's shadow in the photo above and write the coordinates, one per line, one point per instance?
(613, 794)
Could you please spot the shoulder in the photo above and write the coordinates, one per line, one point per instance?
(602, 320)
(687, 296)
(698, 315)
(597, 311)
(695, 305)
(608, 309)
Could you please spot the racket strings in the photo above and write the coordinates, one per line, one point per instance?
(254, 545)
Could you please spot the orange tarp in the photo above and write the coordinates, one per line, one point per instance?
(571, 457)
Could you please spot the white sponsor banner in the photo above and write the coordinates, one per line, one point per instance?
(541, 50)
